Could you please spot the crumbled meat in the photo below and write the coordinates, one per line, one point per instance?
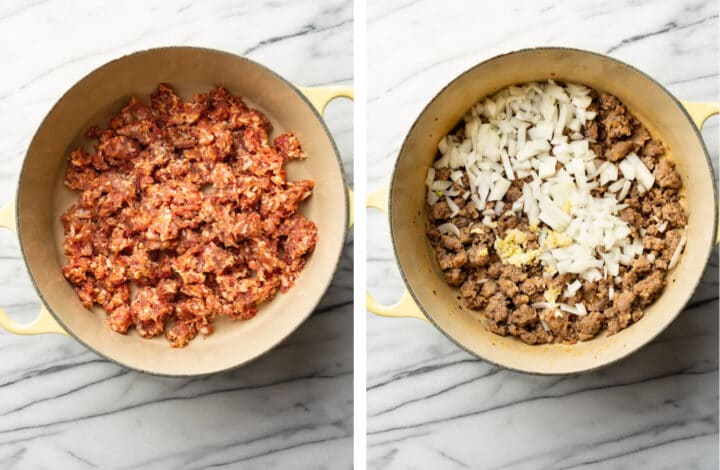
(524, 316)
(478, 255)
(615, 119)
(190, 203)
(455, 276)
(451, 260)
(623, 301)
(675, 214)
(497, 309)
(508, 287)
(505, 293)
(653, 149)
(489, 288)
(451, 242)
(665, 174)
(440, 211)
(618, 150)
(589, 325)
(649, 288)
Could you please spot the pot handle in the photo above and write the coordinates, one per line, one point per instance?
(699, 112)
(44, 323)
(406, 307)
(319, 97)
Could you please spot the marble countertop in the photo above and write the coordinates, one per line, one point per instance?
(62, 406)
(431, 405)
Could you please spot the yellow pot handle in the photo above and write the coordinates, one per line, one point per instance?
(699, 112)
(44, 323)
(406, 307)
(319, 97)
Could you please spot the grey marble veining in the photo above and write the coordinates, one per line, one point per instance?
(431, 405)
(62, 406)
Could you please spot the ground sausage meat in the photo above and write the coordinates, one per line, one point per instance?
(186, 206)
(505, 293)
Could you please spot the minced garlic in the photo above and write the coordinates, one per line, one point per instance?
(513, 249)
(556, 240)
(551, 295)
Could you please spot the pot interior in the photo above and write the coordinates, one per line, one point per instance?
(42, 198)
(650, 103)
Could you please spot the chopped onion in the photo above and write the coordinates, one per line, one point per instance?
(627, 169)
(520, 132)
(572, 289)
(532, 148)
(499, 189)
(642, 173)
(617, 185)
(454, 209)
(499, 208)
(449, 227)
(456, 176)
(506, 163)
(624, 191)
(678, 250)
(440, 185)
(569, 309)
(430, 176)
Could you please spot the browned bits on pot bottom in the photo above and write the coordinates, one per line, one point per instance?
(185, 214)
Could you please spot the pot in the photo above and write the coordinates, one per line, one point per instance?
(429, 297)
(42, 197)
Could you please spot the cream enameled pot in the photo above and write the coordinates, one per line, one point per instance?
(42, 197)
(429, 297)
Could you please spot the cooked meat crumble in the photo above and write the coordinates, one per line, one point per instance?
(509, 267)
(185, 213)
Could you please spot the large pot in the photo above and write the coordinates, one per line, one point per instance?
(429, 297)
(42, 197)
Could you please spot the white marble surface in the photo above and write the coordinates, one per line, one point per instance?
(62, 406)
(431, 405)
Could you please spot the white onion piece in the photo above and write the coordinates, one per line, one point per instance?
(624, 191)
(430, 176)
(642, 173)
(532, 148)
(440, 185)
(499, 189)
(443, 145)
(572, 289)
(617, 185)
(678, 250)
(449, 227)
(456, 176)
(627, 169)
(568, 308)
(454, 208)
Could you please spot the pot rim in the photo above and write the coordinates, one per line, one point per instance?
(411, 290)
(266, 69)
